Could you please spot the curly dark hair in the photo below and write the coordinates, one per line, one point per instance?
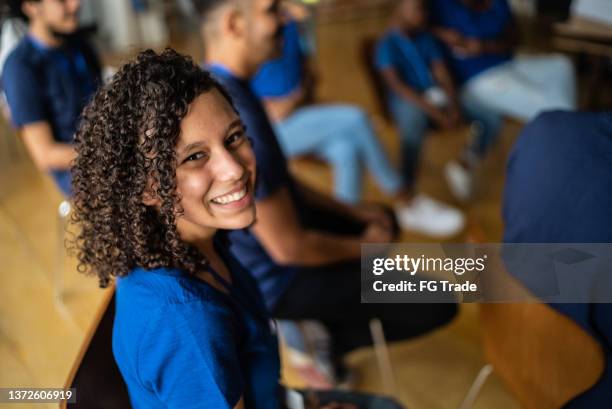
(125, 148)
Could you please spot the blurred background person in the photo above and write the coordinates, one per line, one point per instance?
(422, 92)
(480, 38)
(305, 247)
(557, 190)
(48, 78)
(344, 137)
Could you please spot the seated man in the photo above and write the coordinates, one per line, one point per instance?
(480, 37)
(422, 91)
(304, 248)
(48, 78)
(343, 136)
(558, 191)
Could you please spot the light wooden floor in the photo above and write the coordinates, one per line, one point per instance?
(40, 336)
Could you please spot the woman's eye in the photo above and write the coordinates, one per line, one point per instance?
(194, 156)
(235, 139)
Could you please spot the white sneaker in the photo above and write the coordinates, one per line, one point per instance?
(428, 216)
(460, 180)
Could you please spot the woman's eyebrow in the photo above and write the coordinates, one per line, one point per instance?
(187, 148)
(237, 123)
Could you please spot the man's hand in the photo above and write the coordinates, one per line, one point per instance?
(373, 213)
(470, 47)
(376, 233)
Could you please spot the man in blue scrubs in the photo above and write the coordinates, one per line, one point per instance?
(559, 190)
(304, 249)
(48, 78)
(480, 38)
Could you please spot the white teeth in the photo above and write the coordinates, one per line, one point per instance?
(233, 197)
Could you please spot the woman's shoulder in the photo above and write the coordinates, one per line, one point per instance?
(162, 287)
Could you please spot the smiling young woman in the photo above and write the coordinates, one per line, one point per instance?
(163, 169)
(163, 166)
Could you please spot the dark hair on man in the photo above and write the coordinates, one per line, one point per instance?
(125, 148)
(13, 9)
(203, 7)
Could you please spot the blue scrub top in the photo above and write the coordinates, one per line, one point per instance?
(559, 190)
(52, 85)
(279, 77)
(181, 343)
(410, 57)
(272, 174)
(484, 25)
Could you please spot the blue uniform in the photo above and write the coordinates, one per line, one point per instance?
(558, 190)
(489, 24)
(52, 85)
(180, 343)
(410, 57)
(281, 76)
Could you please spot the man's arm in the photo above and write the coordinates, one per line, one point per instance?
(281, 107)
(289, 243)
(46, 153)
(443, 77)
(396, 85)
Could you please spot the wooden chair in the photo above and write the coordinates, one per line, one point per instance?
(544, 358)
(95, 375)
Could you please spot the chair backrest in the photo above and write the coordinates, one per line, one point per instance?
(368, 50)
(95, 374)
(544, 358)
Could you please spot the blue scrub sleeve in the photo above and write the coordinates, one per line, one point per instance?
(188, 357)
(23, 93)
(383, 56)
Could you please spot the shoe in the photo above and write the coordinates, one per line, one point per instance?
(428, 216)
(460, 180)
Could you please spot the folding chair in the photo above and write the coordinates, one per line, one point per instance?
(95, 375)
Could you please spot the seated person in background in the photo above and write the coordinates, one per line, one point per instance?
(421, 91)
(343, 136)
(480, 38)
(191, 329)
(305, 247)
(13, 29)
(48, 78)
(558, 191)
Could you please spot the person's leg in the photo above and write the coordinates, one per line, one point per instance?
(346, 162)
(511, 92)
(332, 295)
(412, 125)
(555, 75)
(486, 124)
(357, 129)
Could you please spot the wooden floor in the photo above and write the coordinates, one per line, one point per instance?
(40, 334)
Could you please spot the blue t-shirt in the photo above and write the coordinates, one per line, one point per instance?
(181, 343)
(559, 190)
(272, 174)
(51, 85)
(279, 77)
(484, 25)
(411, 57)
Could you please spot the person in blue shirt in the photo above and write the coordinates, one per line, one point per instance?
(342, 135)
(480, 38)
(164, 169)
(558, 191)
(421, 91)
(305, 247)
(48, 78)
